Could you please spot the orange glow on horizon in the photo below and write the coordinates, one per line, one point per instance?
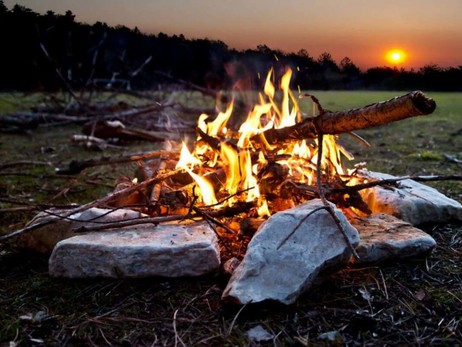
(396, 56)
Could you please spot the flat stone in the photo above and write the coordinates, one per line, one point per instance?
(167, 250)
(45, 238)
(384, 238)
(410, 201)
(279, 266)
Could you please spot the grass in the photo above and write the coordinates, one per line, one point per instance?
(409, 302)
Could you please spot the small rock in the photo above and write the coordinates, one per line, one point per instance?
(231, 265)
(259, 334)
(410, 201)
(384, 237)
(279, 266)
(332, 337)
(45, 238)
(167, 250)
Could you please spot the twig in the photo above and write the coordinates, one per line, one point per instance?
(99, 202)
(382, 182)
(235, 319)
(298, 225)
(24, 163)
(199, 213)
(177, 337)
(76, 166)
(130, 222)
(60, 75)
(206, 216)
(323, 197)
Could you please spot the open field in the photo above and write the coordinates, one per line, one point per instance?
(412, 302)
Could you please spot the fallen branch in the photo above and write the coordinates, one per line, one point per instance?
(390, 181)
(199, 213)
(323, 197)
(77, 166)
(107, 130)
(23, 163)
(409, 105)
(313, 191)
(97, 203)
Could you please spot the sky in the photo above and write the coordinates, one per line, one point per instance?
(428, 31)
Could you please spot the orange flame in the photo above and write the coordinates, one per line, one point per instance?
(187, 162)
(241, 162)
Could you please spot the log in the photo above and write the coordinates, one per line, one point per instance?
(106, 130)
(409, 105)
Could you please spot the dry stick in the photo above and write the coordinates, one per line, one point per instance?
(210, 215)
(10, 164)
(60, 75)
(99, 202)
(409, 105)
(177, 337)
(323, 197)
(206, 91)
(130, 222)
(76, 166)
(299, 225)
(386, 181)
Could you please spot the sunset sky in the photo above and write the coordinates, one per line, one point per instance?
(428, 31)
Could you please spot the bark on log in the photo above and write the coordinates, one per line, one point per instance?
(409, 105)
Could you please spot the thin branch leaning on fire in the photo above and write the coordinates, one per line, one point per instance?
(322, 196)
(380, 182)
(96, 203)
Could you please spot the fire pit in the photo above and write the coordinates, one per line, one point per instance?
(280, 172)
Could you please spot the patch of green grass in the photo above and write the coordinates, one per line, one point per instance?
(426, 155)
(14, 102)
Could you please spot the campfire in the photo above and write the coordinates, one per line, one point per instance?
(254, 170)
(276, 159)
(277, 180)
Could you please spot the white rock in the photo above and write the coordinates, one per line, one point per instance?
(270, 271)
(45, 238)
(411, 201)
(259, 334)
(168, 250)
(384, 237)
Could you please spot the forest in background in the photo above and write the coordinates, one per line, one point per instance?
(40, 52)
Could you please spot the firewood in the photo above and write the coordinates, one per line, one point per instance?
(108, 129)
(76, 166)
(409, 105)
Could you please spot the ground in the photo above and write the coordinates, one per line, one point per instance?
(416, 301)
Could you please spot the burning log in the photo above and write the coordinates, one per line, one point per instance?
(409, 105)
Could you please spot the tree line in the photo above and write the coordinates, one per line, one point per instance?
(44, 51)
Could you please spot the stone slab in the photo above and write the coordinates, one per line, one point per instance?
(410, 201)
(167, 250)
(385, 238)
(278, 271)
(45, 238)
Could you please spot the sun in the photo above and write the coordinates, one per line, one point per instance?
(396, 56)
